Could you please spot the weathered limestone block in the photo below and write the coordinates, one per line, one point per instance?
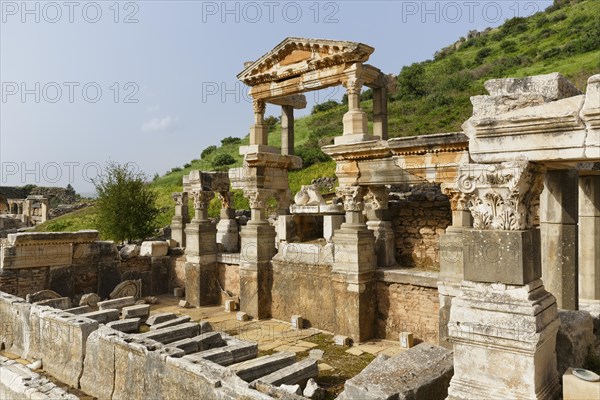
(117, 304)
(422, 372)
(129, 251)
(227, 355)
(127, 325)
(154, 249)
(42, 295)
(172, 333)
(89, 299)
(98, 378)
(79, 310)
(575, 388)
(256, 368)
(552, 86)
(141, 311)
(61, 303)
(209, 340)
(296, 373)
(171, 322)
(103, 316)
(159, 318)
(228, 232)
(574, 339)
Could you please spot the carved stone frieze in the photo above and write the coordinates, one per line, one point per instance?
(377, 198)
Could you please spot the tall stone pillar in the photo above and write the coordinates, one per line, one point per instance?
(558, 227)
(257, 249)
(259, 133)
(353, 269)
(227, 228)
(355, 120)
(589, 253)
(503, 324)
(201, 277)
(380, 118)
(376, 203)
(181, 217)
(451, 258)
(287, 130)
(285, 221)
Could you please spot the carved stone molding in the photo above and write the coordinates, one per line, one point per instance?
(353, 85)
(500, 196)
(352, 197)
(258, 197)
(377, 198)
(202, 199)
(258, 106)
(458, 200)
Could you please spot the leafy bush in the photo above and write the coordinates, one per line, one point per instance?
(328, 105)
(514, 26)
(311, 154)
(187, 165)
(223, 160)
(482, 54)
(230, 140)
(412, 82)
(509, 46)
(175, 169)
(271, 121)
(207, 151)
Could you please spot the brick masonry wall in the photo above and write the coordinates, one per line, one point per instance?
(419, 215)
(407, 308)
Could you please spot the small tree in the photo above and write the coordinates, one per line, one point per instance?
(126, 205)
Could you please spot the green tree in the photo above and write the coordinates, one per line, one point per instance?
(126, 205)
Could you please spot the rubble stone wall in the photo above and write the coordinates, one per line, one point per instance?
(419, 215)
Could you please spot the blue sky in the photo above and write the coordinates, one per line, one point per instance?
(154, 82)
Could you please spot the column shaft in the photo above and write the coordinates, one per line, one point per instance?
(589, 252)
(287, 130)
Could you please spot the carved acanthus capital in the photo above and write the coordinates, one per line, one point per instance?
(352, 197)
(258, 197)
(202, 198)
(458, 200)
(501, 196)
(258, 106)
(353, 85)
(225, 198)
(377, 198)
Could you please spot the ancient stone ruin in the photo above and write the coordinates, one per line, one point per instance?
(479, 245)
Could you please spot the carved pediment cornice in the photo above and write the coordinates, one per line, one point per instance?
(295, 56)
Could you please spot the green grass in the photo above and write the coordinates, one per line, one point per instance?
(74, 221)
(564, 38)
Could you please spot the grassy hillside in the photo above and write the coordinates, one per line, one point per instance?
(432, 97)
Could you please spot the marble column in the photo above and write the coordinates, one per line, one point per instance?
(376, 202)
(181, 218)
(287, 130)
(285, 221)
(380, 118)
(227, 228)
(451, 258)
(503, 323)
(257, 250)
(201, 276)
(259, 133)
(558, 227)
(355, 120)
(589, 251)
(354, 269)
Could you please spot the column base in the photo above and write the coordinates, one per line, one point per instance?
(504, 339)
(202, 284)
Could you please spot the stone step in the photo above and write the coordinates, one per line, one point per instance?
(253, 369)
(173, 322)
(62, 303)
(117, 303)
(173, 333)
(188, 345)
(159, 318)
(209, 340)
(293, 374)
(228, 355)
(141, 311)
(79, 310)
(103, 316)
(129, 325)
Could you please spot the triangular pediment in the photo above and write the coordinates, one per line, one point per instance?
(295, 56)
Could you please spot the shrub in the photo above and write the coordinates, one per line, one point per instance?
(187, 165)
(311, 154)
(223, 160)
(230, 140)
(514, 26)
(509, 46)
(175, 169)
(271, 121)
(207, 151)
(328, 105)
(412, 82)
(482, 54)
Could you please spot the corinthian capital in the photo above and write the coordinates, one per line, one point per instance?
(258, 106)
(500, 196)
(458, 200)
(225, 198)
(352, 197)
(258, 197)
(377, 198)
(353, 85)
(202, 198)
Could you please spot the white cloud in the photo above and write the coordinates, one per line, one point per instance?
(165, 124)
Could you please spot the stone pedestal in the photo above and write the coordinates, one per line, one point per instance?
(504, 340)
(201, 276)
(451, 274)
(558, 226)
(331, 223)
(385, 246)
(257, 249)
(178, 230)
(589, 251)
(227, 231)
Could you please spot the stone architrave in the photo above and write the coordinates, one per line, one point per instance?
(503, 323)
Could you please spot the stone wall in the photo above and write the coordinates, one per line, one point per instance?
(407, 303)
(229, 277)
(177, 275)
(419, 215)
